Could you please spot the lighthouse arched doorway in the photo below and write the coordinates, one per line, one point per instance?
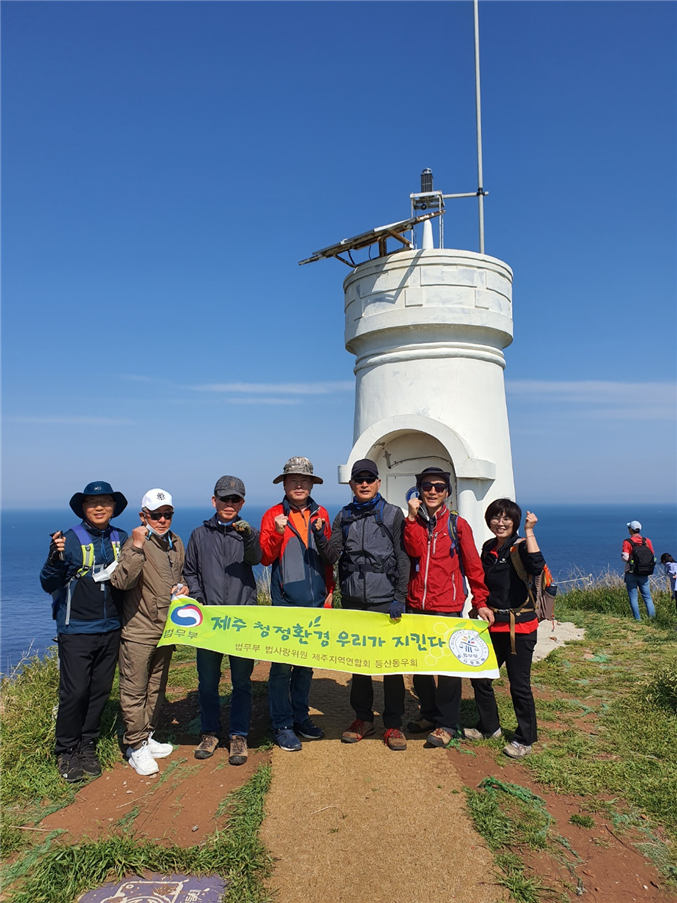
(403, 454)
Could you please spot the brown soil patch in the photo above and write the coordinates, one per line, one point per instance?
(600, 861)
(180, 805)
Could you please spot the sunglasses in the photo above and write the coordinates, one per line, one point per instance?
(230, 499)
(159, 515)
(438, 487)
(359, 480)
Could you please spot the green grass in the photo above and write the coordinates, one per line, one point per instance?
(607, 710)
(60, 873)
(31, 786)
(512, 820)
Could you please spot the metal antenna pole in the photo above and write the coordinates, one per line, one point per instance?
(478, 110)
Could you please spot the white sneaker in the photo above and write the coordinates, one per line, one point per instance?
(159, 750)
(142, 761)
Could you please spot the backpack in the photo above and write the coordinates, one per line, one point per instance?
(88, 557)
(642, 560)
(541, 589)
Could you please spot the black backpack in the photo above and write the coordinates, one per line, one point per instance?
(642, 560)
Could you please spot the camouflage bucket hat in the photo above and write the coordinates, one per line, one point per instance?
(298, 466)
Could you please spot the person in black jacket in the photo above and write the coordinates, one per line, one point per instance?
(218, 571)
(514, 631)
(87, 611)
(366, 540)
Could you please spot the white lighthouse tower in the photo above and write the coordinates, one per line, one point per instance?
(428, 327)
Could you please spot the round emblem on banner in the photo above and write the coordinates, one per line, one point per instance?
(187, 616)
(468, 647)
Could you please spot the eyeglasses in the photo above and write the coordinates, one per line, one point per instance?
(160, 515)
(501, 520)
(438, 487)
(230, 499)
(359, 480)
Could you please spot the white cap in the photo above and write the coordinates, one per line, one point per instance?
(156, 498)
(634, 525)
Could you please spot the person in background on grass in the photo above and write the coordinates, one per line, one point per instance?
(637, 572)
(219, 571)
(301, 576)
(444, 549)
(514, 631)
(670, 568)
(366, 540)
(149, 572)
(87, 612)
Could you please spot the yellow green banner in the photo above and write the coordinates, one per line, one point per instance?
(336, 639)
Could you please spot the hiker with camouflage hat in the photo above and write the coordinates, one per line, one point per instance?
(301, 576)
(218, 570)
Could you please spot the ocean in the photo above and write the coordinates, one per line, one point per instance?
(584, 539)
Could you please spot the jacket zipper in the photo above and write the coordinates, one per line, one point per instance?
(364, 576)
(425, 576)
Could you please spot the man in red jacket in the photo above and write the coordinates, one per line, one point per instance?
(445, 552)
(302, 576)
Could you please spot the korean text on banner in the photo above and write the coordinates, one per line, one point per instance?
(336, 639)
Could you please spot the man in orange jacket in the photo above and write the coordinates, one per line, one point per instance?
(302, 577)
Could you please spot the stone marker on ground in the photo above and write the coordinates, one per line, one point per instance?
(159, 889)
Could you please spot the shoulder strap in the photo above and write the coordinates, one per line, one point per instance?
(87, 546)
(517, 563)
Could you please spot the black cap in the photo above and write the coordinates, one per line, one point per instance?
(434, 472)
(228, 485)
(364, 465)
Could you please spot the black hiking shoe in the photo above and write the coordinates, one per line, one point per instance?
(89, 760)
(69, 766)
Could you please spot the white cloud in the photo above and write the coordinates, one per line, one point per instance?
(319, 388)
(72, 421)
(599, 399)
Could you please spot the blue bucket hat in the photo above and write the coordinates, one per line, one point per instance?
(99, 487)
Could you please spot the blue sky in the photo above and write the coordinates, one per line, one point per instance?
(167, 164)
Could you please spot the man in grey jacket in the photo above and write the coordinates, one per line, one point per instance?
(366, 540)
(149, 571)
(218, 571)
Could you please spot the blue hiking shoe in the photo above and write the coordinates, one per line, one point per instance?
(309, 731)
(287, 740)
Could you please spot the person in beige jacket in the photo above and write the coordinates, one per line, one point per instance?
(149, 571)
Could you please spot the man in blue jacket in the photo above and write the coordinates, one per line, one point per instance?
(87, 612)
(218, 571)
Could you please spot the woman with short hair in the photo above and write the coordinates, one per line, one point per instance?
(514, 631)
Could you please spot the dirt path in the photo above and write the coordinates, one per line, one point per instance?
(359, 822)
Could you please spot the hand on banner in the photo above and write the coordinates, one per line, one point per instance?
(396, 610)
(486, 614)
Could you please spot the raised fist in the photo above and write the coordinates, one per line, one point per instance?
(413, 504)
(139, 537)
(281, 522)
